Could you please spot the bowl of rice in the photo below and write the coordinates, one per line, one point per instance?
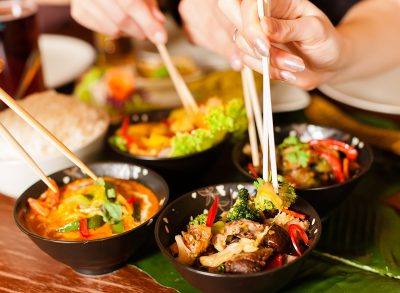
(80, 127)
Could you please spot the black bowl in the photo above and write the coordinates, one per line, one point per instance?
(324, 199)
(193, 163)
(175, 217)
(103, 255)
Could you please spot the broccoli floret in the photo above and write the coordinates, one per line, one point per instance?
(199, 220)
(266, 198)
(242, 208)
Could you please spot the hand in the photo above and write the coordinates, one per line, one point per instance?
(137, 18)
(303, 44)
(206, 26)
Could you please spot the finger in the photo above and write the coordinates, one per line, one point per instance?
(292, 9)
(130, 27)
(155, 10)
(244, 47)
(286, 61)
(231, 9)
(252, 30)
(286, 31)
(92, 17)
(142, 15)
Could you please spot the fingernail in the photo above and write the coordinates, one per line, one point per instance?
(261, 47)
(288, 76)
(236, 63)
(295, 64)
(160, 37)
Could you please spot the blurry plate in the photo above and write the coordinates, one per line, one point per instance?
(64, 59)
(380, 93)
(287, 98)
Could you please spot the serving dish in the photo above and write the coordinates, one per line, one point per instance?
(324, 199)
(103, 255)
(177, 214)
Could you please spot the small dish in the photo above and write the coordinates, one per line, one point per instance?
(177, 214)
(98, 256)
(323, 199)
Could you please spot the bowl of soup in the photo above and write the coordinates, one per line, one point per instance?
(93, 226)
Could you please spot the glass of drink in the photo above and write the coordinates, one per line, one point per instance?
(20, 66)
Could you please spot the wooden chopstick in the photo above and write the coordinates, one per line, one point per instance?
(8, 137)
(183, 91)
(268, 126)
(255, 158)
(10, 102)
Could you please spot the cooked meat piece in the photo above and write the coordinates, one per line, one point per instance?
(278, 239)
(302, 177)
(197, 238)
(243, 228)
(248, 262)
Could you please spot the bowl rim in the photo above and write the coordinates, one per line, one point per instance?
(368, 150)
(231, 275)
(20, 199)
(157, 159)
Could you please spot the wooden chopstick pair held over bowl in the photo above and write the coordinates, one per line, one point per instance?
(13, 105)
(266, 127)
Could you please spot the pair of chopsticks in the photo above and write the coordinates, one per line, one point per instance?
(13, 105)
(265, 129)
(183, 91)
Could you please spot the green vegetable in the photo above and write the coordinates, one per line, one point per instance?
(119, 142)
(242, 208)
(109, 187)
(112, 212)
(194, 142)
(199, 220)
(77, 200)
(294, 151)
(95, 222)
(73, 226)
(118, 227)
(221, 268)
(218, 227)
(160, 72)
(83, 90)
(266, 199)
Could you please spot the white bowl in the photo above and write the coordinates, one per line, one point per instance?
(16, 176)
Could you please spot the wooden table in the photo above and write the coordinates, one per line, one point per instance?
(25, 268)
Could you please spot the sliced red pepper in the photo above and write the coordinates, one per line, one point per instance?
(333, 144)
(346, 168)
(131, 200)
(294, 214)
(212, 212)
(125, 126)
(274, 262)
(252, 170)
(293, 230)
(83, 228)
(335, 164)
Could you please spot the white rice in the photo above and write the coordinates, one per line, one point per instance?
(73, 122)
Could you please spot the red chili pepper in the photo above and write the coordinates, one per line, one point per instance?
(274, 262)
(212, 212)
(252, 170)
(346, 168)
(131, 200)
(293, 230)
(294, 214)
(350, 151)
(125, 126)
(83, 228)
(335, 164)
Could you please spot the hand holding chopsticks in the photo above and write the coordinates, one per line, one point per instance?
(10, 102)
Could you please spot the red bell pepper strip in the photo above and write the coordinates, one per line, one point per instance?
(335, 164)
(83, 228)
(274, 262)
(293, 230)
(125, 126)
(252, 170)
(294, 214)
(212, 212)
(350, 151)
(346, 168)
(131, 200)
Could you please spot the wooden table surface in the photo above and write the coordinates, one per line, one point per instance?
(25, 268)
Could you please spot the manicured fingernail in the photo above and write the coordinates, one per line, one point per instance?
(236, 63)
(160, 37)
(294, 64)
(159, 15)
(288, 76)
(261, 47)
